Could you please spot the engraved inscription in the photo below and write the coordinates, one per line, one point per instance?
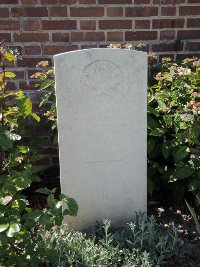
(103, 76)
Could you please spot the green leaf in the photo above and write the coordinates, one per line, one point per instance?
(36, 117)
(45, 219)
(23, 149)
(55, 139)
(152, 123)
(13, 229)
(5, 141)
(47, 83)
(22, 182)
(44, 190)
(193, 184)
(9, 74)
(35, 169)
(161, 104)
(197, 199)
(150, 186)
(184, 172)
(150, 145)
(10, 57)
(3, 227)
(180, 153)
(35, 215)
(27, 107)
(153, 111)
(193, 213)
(36, 178)
(20, 94)
(50, 200)
(168, 119)
(157, 132)
(165, 149)
(72, 206)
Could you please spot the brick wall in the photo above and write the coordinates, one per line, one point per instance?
(42, 28)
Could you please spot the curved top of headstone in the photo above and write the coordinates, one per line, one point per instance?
(99, 50)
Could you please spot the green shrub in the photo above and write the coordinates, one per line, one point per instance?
(140, 243)
(174, 128)
(18, 221)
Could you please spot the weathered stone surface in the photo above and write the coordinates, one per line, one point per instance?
(101, 104)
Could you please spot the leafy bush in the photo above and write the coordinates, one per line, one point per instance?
(140, 243)
(18, 221)
(174, 128)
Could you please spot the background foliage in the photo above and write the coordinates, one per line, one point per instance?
(18, 221)
(174, 128)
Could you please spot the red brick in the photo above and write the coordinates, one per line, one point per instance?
(58, 12)
(87, 1)
(115, 2)
(167, 35)
(5, 36)
(193, 46)
(31, 37)
(88, 46)
(49, 151)
(140, 35)
(88, 25)
(56, 49)
(68, 2)
(11, 25)
(29, 12)
(29, 2)
(115, 11)
(60, 37)
(8, 2)
(190, 34)
(11, 86)
(59, 25)
(142, 1)
(142, 24)
(87, 36)
(193, 23)
(4, 13)
(55, 160)
(87, 11)
(141, 11)
(115, 24)
(168, 11)
(168, 2)
(163, 47)
(43, 161)
(167, 23)
(46, 2)
(115, 36)
(19, 74)
(189, 10)
(31, 25)
(188, 55)
(32, 50)
(31, 62)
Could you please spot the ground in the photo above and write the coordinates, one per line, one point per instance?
(166, 213)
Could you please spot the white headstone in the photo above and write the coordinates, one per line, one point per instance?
(101, 104)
